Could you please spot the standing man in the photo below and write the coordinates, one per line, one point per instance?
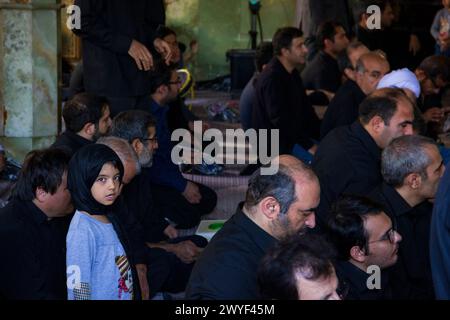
(118, 48)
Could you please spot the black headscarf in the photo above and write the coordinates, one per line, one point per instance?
(84, 168)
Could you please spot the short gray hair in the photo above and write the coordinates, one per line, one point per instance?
(122, 148)
(403, 156)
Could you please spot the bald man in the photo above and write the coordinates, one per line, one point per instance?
(276, 206)
(343, 109)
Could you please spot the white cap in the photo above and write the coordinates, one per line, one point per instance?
(403, 79)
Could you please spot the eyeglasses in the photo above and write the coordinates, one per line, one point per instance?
(390, 235)
(374, 74)
(153, 140)
(175, 82)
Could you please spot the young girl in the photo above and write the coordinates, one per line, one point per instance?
(98, 267)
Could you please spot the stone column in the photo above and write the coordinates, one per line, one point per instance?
(29, 63)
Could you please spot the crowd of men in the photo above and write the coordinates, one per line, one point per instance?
(358, 208)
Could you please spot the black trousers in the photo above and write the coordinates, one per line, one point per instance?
(120, 104)
(180, 211)
(166, 272)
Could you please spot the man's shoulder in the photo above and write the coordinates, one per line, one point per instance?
(342, 144)
(13, 223)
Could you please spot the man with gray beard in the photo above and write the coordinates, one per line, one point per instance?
(170, 258)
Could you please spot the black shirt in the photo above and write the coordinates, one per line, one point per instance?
(227, 268)
(70, 142)
(355, 280)
(344, 107)
(138, 197)
(33, 252)
(411, 276)
(347, 161)
(322, 73)
(281, 103)
(439, 239)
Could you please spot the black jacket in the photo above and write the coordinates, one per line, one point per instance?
(70, 142)
(107, 30)
(343, 109)
(355, 281)
(33, 252)
(322, 73)
(151, 222)
(411, 275)
(439, 240)
(227, 268)
(347, 161)
(281, 103)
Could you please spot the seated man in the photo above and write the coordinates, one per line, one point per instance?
(344, 107)
(323, 73)
(412, 168)
(365, 240)
(276, 206)
(33, 228)
(299, 268)
(170, 258)
(349, 158)
(86, 118)
(186, 201)
(434, 75)
(347, 59)
(280, 98)
(178, 116)
(263, 56)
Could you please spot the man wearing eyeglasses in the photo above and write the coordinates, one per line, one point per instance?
(188, 201)
(412, 168)
(366, 240)
(343, 108)
(433, 75)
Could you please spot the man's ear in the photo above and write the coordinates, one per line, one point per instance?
(89, 129)
(357, 254)
(420, 74)
(364, 18)
(328, 43)
(377, 124)
(137, 146)
(270, 208)
(350, 74)
(162, 89)
(41, 195)
(413, 180)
